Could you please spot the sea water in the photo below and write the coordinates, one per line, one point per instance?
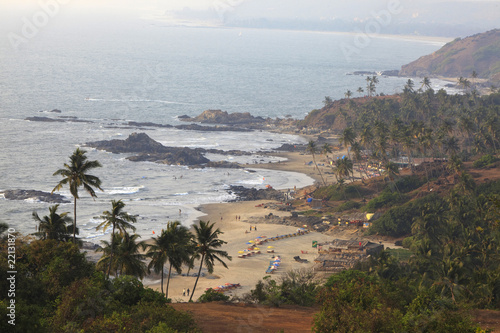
(147, 72)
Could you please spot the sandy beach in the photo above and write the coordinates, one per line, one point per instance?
(236, 232)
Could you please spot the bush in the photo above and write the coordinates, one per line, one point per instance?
(297, 287)
(410, 183)
(485, 161)
(348, 205)
(337, 193)
(385, 199)
(212, 296)
(397, 221)
(353, 301)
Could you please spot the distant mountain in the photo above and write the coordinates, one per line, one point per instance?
(459, 58)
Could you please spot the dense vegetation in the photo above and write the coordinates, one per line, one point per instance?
(449, 221)
(56, 289)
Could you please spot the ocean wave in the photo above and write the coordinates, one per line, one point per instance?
(124, 190)
(135, 101)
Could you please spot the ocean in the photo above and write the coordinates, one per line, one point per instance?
(146, 72)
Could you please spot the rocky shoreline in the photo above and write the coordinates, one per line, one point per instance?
(34, 195)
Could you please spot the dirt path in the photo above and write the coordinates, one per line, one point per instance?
(221, 317)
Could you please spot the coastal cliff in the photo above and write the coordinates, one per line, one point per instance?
(479, 53)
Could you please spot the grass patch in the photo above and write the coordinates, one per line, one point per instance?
(400, 254)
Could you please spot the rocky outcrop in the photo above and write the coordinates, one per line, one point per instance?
(135, 143)
(196, 127)
(60, 119)
(151, 150)
(248, 194)
(223, 164)
(178, 156)
(222, 117)
(34, 195)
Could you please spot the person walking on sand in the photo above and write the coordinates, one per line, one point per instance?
(184, 292)
(188, 292)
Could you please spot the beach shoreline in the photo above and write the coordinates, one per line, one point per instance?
(234, 219)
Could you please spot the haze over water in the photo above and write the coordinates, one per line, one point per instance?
(143, 71)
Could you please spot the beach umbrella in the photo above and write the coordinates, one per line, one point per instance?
(241, 251)
(256, 248)
(249, 242)
(270, 247)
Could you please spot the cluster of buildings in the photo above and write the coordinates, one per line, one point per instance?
(339, 255)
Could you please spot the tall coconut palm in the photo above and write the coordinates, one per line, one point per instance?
(128, 259)
(75, 175)
(175, 245)
(117, 219)
(391, 169)
(207, 244)
(326, 149)
(311, 148)
(347, 138)
(54, 225)
(426, 83)
(348, 94)
(360, 91)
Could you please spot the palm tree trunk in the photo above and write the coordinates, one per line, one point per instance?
(319, 171)
(111, 252)
(74, 222)
(162, 279)
(168, 280)
(196, 282)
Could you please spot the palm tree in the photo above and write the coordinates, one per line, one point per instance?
(360, 91)
(348, 94)
(347, 138)
(75, 175)
(409, 86)
(391, 169)
(464, 83)
(207, 242)
(173, 245)
(328, 101)
(53, 226)
(311, 148)
(127, 258)
(117, 219)
(326, 149)
(426, 83)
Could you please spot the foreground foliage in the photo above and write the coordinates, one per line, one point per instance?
(58, 290)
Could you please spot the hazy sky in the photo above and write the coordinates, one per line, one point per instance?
(476, 14)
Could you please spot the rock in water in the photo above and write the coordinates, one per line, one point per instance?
(35, 195)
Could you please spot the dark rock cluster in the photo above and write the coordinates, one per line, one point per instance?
(33, 194)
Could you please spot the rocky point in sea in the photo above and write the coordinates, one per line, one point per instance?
(34, 195)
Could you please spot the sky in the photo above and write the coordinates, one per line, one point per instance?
(418, 17)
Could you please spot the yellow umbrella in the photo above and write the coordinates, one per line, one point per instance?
(256, 248)
(270, 247)
(241, 251)
(251, 241)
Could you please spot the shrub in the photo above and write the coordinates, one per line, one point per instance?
(385, 199)
(212, 296)
(410, 183)
(348, 205)
(485, 161)
(397, 221)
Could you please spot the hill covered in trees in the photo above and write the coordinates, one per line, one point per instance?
(479, 54)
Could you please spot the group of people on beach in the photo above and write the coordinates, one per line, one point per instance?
(184, 292)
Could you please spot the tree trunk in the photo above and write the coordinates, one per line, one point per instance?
(196, 282)
(162, 267)
(317, 168)
(111, 253)
(168, 280)
(74, 223)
